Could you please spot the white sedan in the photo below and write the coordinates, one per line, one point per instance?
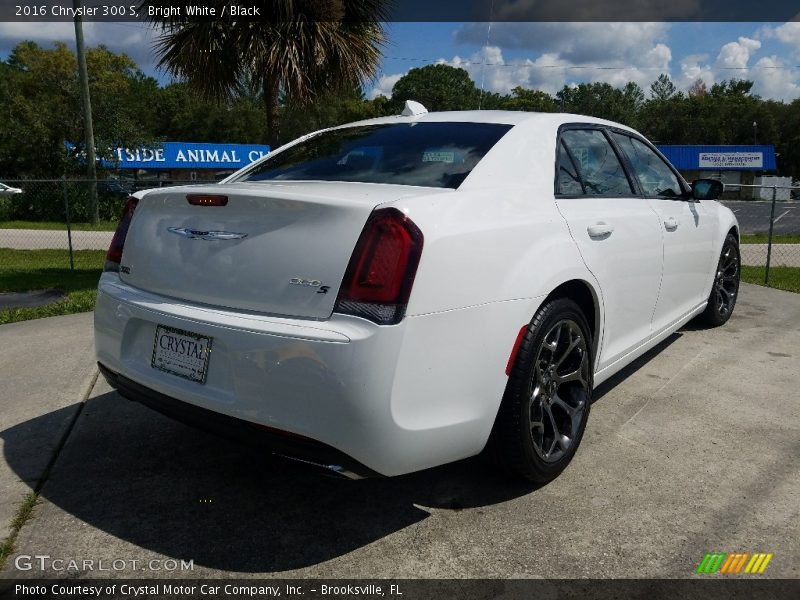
(7, 190)
(399, 293)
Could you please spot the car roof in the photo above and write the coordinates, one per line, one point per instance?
(508, 117)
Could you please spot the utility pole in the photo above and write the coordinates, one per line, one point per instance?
(83, 76)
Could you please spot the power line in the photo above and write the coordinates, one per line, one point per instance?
(588, 67)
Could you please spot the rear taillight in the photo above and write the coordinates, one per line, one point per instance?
(379, 277)
(114, 255)
(207, 199)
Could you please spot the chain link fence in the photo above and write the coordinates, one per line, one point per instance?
(769, 227)
(54, 214)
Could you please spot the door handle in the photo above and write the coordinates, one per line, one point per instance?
(600, 229)
(671, 224)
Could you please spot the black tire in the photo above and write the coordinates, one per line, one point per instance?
(534, 404)
(725, 289)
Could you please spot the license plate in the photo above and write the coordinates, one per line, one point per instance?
(181, 353)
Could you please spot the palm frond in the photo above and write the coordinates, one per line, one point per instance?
(298, 49)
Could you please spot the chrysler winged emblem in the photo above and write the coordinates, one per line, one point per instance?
(209, 236)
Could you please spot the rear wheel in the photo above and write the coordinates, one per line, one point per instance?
(725, 289)
(546, 404)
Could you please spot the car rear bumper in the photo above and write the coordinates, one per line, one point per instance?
(284, 444)
(393, 399)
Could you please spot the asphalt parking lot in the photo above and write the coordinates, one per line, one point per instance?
(753, 216)
(694, 449)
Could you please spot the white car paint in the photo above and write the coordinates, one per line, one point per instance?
(423, 392)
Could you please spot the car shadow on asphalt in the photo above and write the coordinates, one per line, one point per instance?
(183, 493)
(186, 494)
(621, 375)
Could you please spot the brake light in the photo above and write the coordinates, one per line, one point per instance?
(207, 199)
(114, 254)
(379, 277)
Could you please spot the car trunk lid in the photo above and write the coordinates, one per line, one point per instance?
(277, 248)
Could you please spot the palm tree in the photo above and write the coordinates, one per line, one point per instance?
(298, 48)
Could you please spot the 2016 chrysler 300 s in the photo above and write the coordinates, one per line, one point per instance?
(399, 293)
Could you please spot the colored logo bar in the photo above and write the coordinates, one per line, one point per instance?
(734, 563)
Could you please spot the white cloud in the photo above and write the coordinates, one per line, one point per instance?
(384, 85)
(551, 70)
(576, 42)
(788, 33)
(569, 52)
(488, 67)
(694, 67)
(772, 80)
(620, 52)
(772, 77)
(736, 55)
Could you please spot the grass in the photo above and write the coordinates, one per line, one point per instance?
(59, 225)
(763, 238)
(23, 514)
(782, 278)
(25, 270)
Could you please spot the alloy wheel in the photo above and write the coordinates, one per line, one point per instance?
(726, 282)
(559, 390)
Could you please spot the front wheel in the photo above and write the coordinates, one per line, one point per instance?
(725, 289)
(546, 404)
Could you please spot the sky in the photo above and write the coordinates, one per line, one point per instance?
(545, 56)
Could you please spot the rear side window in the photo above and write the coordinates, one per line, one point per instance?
(654, 175)
(424, 154)
(593, 162)
(569, 182)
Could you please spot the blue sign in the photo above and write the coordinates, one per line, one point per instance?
(185, 155)
(721, 158)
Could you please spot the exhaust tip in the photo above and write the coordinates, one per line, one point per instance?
(337, 470)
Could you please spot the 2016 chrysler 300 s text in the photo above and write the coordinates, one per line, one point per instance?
(399, 293)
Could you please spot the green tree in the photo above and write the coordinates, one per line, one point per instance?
(299, 49)
(335, 108)
(662, 88)
(530, 100)
(437, 87)
(183, 115)
(603, 100)
(40, 107)
(788, 146)
(117, 87)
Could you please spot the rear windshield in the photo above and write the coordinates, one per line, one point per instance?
(425, 154)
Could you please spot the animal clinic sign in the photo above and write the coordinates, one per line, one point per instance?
(181, 155)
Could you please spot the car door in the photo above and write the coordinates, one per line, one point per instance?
(617, 233)
(686, 228)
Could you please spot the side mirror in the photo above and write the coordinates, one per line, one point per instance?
(707, 189)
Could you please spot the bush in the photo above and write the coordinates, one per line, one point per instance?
(6, 208)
